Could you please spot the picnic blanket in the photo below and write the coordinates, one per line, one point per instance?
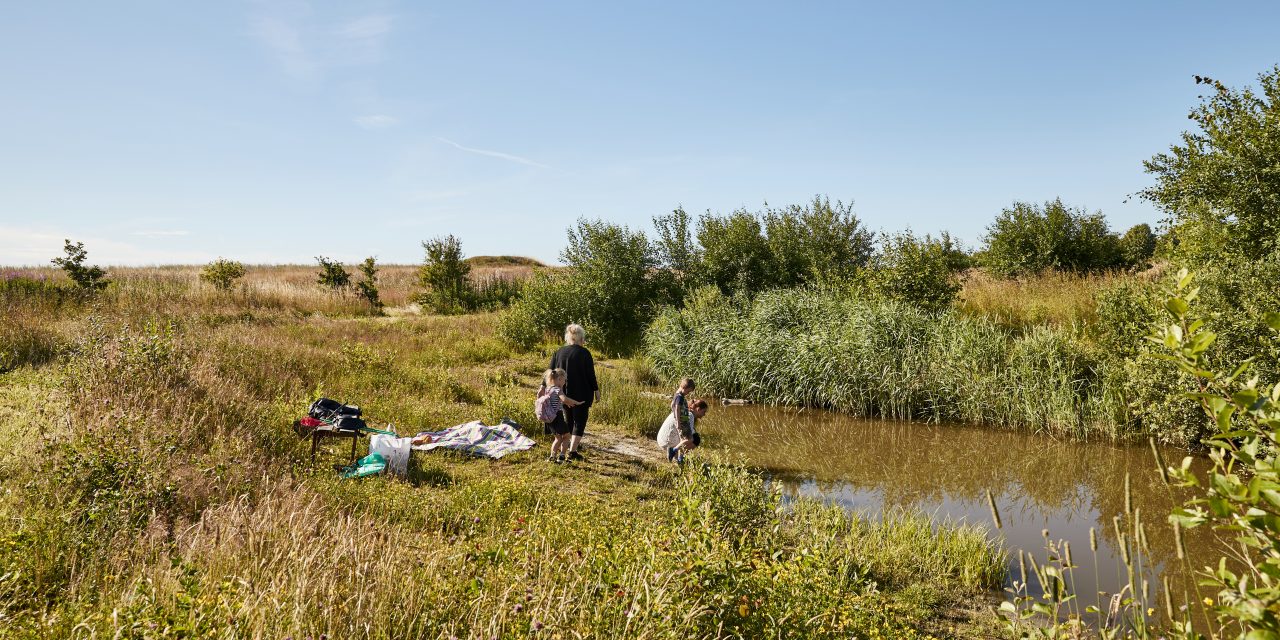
(477, 438)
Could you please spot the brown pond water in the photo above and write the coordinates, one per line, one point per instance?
(1038, 483)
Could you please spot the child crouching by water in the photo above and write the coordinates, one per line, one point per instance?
(679, 434)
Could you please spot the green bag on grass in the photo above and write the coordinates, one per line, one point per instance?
(369, 465)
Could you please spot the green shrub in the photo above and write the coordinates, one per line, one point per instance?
(222, 273)
(443, 276)
(735, 254)
(816, 242)
(368, 285)
(917, 271)
(1137, 246)
(1027, 238)
(91, 278)
(612, 287)
(332, 274)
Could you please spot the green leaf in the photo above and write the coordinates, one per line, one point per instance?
(1272, 319)
(1184, 278)
(1176, 306)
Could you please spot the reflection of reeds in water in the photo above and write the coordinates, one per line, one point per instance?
(923, 467)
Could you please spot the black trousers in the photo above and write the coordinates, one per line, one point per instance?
(577, 417)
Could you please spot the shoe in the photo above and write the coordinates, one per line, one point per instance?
(574, 455)
(552, 458)
(560, 459)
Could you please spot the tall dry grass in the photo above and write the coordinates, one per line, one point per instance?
(155, 489)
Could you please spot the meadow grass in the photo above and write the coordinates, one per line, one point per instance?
(153, 487)
(1056, 298)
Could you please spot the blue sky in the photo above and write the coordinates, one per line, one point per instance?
(163, 132)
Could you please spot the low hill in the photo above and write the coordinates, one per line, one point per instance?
(503, 261)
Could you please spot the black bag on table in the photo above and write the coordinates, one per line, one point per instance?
(349, 423)
(329, 410)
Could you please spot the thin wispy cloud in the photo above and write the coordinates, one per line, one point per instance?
(283, 38)
(36, 246)
(161, 233)
(306, 46)
(494, 154)
(376, 121)
(370, 27)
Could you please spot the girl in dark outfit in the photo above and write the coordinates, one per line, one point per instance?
(582, 386)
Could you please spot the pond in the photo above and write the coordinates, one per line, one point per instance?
(1038, 484)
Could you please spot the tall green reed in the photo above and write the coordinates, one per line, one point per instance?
(879, 358)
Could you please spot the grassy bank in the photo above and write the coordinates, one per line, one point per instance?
(152, 487)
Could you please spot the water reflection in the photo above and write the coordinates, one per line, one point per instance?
(945, 470)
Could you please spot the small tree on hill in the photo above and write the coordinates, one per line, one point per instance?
(222, 273)
(443, 276)
(367, 287)
(332, 274)
(89, 279)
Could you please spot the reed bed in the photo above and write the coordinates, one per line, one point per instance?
(877, 358)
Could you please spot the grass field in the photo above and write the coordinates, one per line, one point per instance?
(152, 487)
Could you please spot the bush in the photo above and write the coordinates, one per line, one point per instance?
(735, 254)
(368, 286)
(540, 311)
(612, 287)
(89, 279)
(332, 274)
(917, 271)
(1027, 238)
(443, 276)
(1137, 246)
(816, 242)
(222, 273)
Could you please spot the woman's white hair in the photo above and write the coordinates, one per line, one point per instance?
(575, 334)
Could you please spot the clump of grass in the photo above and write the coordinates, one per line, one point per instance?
(1057, 298)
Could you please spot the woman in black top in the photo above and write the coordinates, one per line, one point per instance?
(582, 386)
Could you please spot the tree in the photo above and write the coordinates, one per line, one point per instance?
(332, 274)
(367, 287)
(735, 254)
(1137, 246)
(914, 270)
(443, 276)
(1027, 238)
(676, 250)
(613, 286)
(816, 242)
(1223, 181)
(88, 279)
(222, 273)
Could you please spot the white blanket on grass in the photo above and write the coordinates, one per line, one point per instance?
(478, 438)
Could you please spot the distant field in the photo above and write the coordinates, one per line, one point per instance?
(397, 283)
